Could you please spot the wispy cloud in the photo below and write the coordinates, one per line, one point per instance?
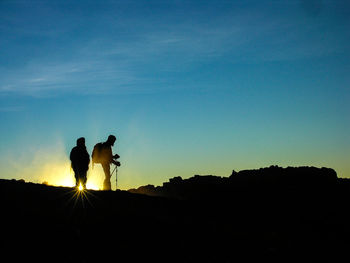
(84, 76)
(128, 53)
(36, 80)
(11, 109)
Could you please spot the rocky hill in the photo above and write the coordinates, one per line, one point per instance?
(271, 214)
(271, 178)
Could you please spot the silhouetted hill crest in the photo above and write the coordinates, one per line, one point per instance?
(274, 174)
(273, 177)
(242, 221)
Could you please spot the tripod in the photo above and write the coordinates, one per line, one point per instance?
(116, 177)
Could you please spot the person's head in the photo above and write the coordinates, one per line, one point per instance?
(81, 141)
(111, 139)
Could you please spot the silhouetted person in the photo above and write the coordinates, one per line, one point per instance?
(102, 154)
(80, 162)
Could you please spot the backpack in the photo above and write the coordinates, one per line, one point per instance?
(96, 153)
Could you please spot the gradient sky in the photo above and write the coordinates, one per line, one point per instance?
(188, 87)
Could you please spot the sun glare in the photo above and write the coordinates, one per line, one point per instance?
(80, 187)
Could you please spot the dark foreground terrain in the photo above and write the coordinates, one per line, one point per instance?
(267, 215)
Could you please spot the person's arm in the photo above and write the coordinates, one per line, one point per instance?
(110, 155)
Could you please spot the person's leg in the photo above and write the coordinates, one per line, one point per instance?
(76, 175)
(107, 181)
(84, 179)
(84, 182)
(81, 174)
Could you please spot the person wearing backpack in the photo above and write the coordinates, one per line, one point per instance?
(102, 153)
(80, 160)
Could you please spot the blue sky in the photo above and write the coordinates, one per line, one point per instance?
(188, 87)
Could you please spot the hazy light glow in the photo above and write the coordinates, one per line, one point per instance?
(94, 180)
(63, 180)
(92, 186)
